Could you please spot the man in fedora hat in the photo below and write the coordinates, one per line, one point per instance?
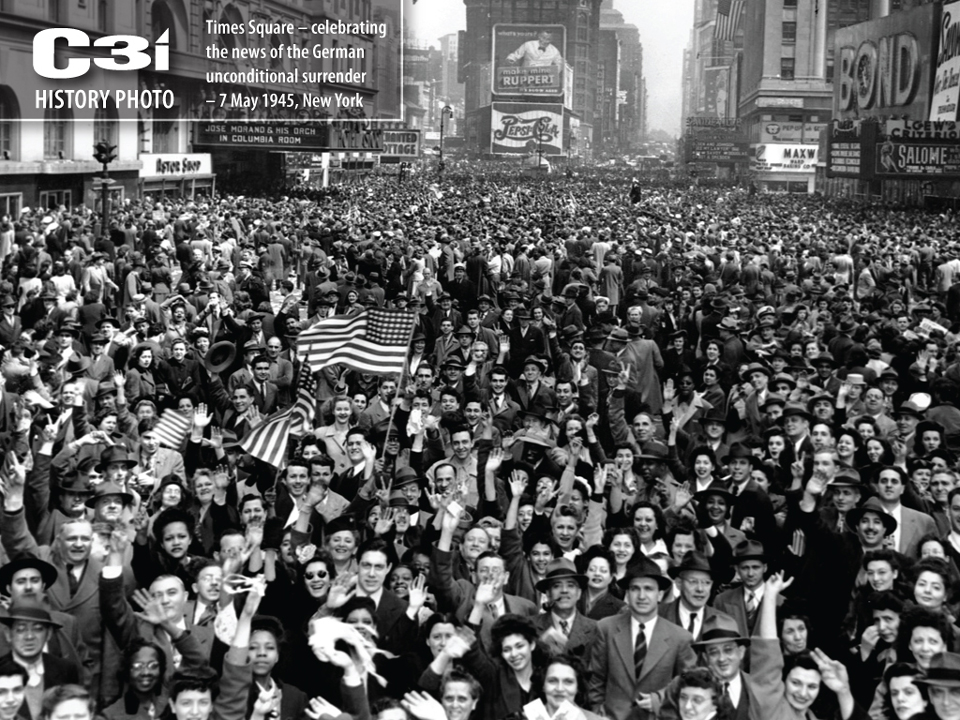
(563, 586)
(722, 648)
(942, 681)
(30, 628)
(752, 509)
(743, 603)
(636, 652)
(690, 610)
(525, 340)
(535, 390)
(9, 322)
(75, 589)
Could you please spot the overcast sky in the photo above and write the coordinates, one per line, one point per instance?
(664, 34)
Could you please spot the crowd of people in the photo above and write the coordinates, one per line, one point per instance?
(655, 452)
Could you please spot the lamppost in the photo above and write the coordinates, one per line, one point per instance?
(103, 153)
(443, 113)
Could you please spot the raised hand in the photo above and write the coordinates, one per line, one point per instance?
(600, 479)
(623, 377)
(341, 590)
(385, 522)
(798, 545)
(152, 612)
(576, 447)
(418, 593)
(517, 484)
(592, 421)
(459, 643)
(487, 592)
(201, 418)
(495, 460)
(683, 496)
(775, 584)
(264, 702)
(423, 706)
(319, 707)
(832, 672)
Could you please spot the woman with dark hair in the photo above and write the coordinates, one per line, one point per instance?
(509, 675)
(599, 601)
(564, 682)
(906, 699)
(623, 543)
(650, 525)
(933, 585)
(145, 677)
(142, 379)
(266, 639)
(700, 697)
(169, 551)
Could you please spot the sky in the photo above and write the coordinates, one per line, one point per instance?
(663, 33)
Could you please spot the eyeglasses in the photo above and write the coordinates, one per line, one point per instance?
(320, 574)
(139, 666)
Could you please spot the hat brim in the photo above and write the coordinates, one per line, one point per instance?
(938, 682)
(738, 639)
(126, 497)
(662, 580)
(855, 515)
(10, 619)
(48, 573)
(229, 351)
(545, 584)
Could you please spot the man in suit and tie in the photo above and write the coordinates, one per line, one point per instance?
(504, 412)
(563, 586)
(75, 591)
(155, 461)
(722, 649)
(752, 509)
(24, 581)
(378, 410)
(742, 603)
(266, 395)
(456, 595)
(30, 628)
(636, 652)
(912, 525)
(396, 629)
(201, 612)
(690, 610)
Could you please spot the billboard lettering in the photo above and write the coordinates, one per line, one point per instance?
(884, 65)
(923, 129)
(400, 145)
(772, 157)
(528, 60)
(946, 79)
(526, 129)
(281, 136)
(914, 158)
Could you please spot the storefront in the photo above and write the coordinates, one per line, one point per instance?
(784, 167)
(180, 174)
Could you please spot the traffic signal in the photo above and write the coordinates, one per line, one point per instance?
(103, 152)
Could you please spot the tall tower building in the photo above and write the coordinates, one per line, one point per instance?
(581, 20)
(629, 101)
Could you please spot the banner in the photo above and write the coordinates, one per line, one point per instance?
(175, 165)
(883, 66)
(716, 81)
(400, 145)
(771, 157)
(526, 129)
(946, 72)
(918, 158)
(528, 60)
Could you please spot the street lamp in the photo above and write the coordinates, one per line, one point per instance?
(443, 112)
(104, 153)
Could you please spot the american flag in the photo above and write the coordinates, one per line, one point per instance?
(172, 428)
(373, 341)
(305, 407)
(728, 19)
(268, 440)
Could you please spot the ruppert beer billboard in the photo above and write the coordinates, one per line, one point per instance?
(884, 67)
(526, 129)
(528, 60)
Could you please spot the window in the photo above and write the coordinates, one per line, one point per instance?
(9, 123)
(789, 3)
(789, 32)
(786, 68)
(52, 199)
(103, 13)
(105, 125)
(55, 124)
(10, 204)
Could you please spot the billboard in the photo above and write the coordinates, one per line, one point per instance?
(884, 67)
(791, 132)
(716, 81)
(528, 60)
(526, 129)
(911, 158)
(774, 157)
(400, 145)
(276, 136)
(946, 70)
(851, 148)
(719, 149)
